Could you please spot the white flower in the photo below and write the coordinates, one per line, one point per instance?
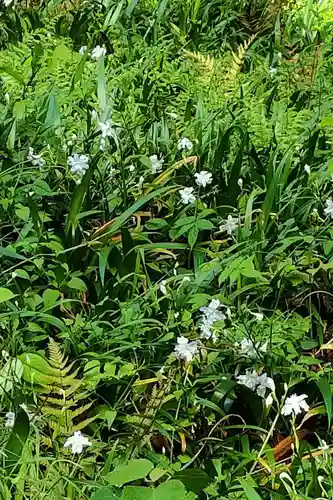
(163, 287)
(131, 168)
(258, 383)
(203, 178)
(185, 349)
(77, 442)
(258, 316)
(98, 52)
(94, 115)
(265, 382)
(269, 400)
(240, 183)
(83, 50)
(329, 208)
(272, 70)
(35, 159)
(176, 315)
(230, 225)
(250, 350)
(108, 130)
(294, 405)
(212, 312)
(156, 164)
(187, 195)
(184, 143)
(78, 164)
(10, 419)
(7, 97)
(250, 380)
(307, 169)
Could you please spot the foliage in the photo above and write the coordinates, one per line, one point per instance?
(167, 325)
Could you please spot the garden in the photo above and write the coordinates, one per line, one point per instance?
(166, 254)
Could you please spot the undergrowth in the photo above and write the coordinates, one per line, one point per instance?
(166, 250)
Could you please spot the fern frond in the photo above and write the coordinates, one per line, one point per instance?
(238, 58)
(56, 356)
(83, 424)
(81, 409)
(204, 63)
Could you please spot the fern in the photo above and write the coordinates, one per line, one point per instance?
(238, 59)
(204, 64)
(61, 394)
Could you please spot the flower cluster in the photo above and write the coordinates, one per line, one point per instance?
(257, 383)
(156, 164)
(78, 165)
(203, 178)
(210, 315)
(184, 143)
(294, 405)
(230, 225)
(35, 159)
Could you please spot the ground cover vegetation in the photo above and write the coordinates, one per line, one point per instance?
(166, 206)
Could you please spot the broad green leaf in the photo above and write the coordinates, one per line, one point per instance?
(50, 297)
(41, 188)
(194, 479)
(22, 212)
(105, 493)
(134, 469)
(6, 294)
(169, 490)
(77, 284)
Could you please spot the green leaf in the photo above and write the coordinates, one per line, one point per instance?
(326, 391)
(153, 224)
(103, 260)
(15, 74)
(16, 441)
(134, 469)
(53, 114)
(250, 492)
(77, 284)
(50, 297)
(170, 490)
(41, 188)
(6, 295)
(104, 493)
(193, 235)
(22, 213)
(194, 479)
(77, 200)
